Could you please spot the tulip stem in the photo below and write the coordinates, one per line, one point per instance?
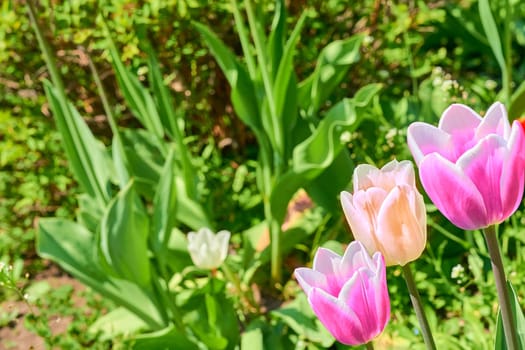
(369, 346)
(501, 286)
(418, 308)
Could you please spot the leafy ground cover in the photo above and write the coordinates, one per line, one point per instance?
(425, 56)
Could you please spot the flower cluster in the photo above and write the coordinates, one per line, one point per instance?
(473, 170)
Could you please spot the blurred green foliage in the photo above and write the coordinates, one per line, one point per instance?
(427, 54)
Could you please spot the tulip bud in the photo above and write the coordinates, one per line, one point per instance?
(208, 250)
(348, 294)
(386, 212)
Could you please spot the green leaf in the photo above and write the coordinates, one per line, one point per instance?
(332, 65)
(117, 322)
(299, 316)
(164, 206)
(519, 319)
(146, 164)
(212, 319)
(326, 187)
(313, 158)
(364, 95)
(74, 248)
(243, 92)
(318, 151)
(285, 84)
(276, 37)
(252, 339)
(165, 339)
(283, 191)
(492, 33)
(173, 120)
(137, 96)
(124, 236)
(517, 103)
(87, 157)
(89, 213)
(120, 161)
(145, 159)
(189, 211)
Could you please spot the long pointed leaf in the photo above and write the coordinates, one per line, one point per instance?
(87, 157)
(331, 68)
(164, 207)
(276, 37)
(517, 104)
(73, 247)
(173, 121)
(124, 236)
(243, 92)
(137, 96)
(492, 33)
(286, 70)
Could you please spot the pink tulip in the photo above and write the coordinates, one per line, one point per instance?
(472, 168)
(386, 212)
(348, 294)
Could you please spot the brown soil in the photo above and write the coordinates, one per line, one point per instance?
(15, 335)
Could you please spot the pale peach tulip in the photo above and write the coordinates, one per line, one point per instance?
(386, 212)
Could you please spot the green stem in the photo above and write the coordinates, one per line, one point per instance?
(245, 43)
(273, 226)
(275, 240)
(418, 308)
(165, 298)
(233, 278)
(123, 177)
(501, 286)
(448, 234)
(276, 127)
(369, 346)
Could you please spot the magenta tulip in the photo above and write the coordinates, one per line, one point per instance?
(348, 294)
(472, 168)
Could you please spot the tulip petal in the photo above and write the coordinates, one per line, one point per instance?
(382, 299)
(453, 193)
(460, 122)
(354, 258)
(424, 139)
(361, 211)
(340, 320)
(361, 178)
(399, 228)
(221, 240)
(483, 165)
(513, 174)
(459, 118)
(494, 122)
(400, 172)
(324, 261)
(309, 279)
(391, 174)
(356, 220)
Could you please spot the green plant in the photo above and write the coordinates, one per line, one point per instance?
(298, 148)
(124, 244)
